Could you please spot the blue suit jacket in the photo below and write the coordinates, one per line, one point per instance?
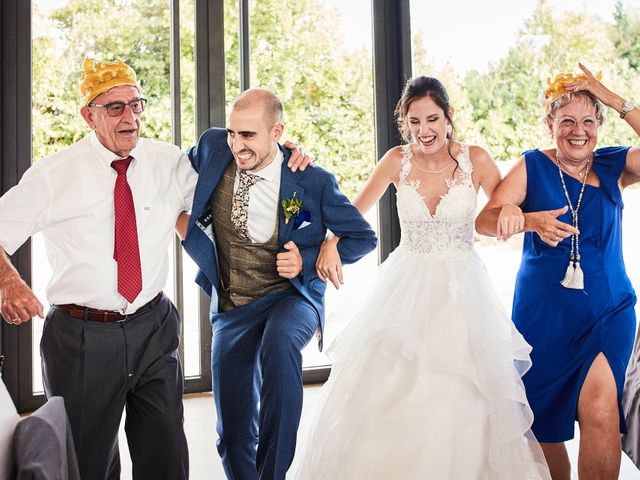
(318, 190)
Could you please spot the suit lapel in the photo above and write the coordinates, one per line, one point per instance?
(288, 187)
(208, 179)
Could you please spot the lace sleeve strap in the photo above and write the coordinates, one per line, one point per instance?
(405, 162)
(464, 160)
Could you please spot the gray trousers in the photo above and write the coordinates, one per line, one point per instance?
(102, 368)
(631, 405)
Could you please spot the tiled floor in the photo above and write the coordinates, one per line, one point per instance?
(204, 460)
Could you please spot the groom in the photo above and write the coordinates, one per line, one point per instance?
(255, 232)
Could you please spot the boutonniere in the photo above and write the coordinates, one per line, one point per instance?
(291, 207)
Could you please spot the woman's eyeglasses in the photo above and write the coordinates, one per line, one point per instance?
(588, 123)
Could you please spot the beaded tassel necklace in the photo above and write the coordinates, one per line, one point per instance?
(574, 277)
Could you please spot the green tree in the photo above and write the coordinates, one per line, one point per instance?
(625, 34)
(326, 89)
(85, 28)
(505, 98)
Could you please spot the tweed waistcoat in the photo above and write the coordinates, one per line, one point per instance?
(247, 270)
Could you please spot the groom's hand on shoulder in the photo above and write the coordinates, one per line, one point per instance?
(289, 263)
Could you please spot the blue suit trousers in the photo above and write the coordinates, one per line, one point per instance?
(256, 364)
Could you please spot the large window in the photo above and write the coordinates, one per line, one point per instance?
(161, 49)
(331, 69)
(319, 62)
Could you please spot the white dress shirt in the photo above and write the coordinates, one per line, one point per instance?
(263, 200)
(68, 196)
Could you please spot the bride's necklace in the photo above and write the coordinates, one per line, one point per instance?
(426, 170)
(574, 277)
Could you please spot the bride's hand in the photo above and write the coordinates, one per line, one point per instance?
(510, 221)
(328, 264)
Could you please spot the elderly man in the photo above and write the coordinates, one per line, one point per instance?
(255, 233)
(107, 207)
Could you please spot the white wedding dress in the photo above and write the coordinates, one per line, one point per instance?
(426, 378)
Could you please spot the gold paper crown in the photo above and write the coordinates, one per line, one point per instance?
(98, 77)
(557, 88)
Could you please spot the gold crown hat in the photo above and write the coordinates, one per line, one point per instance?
(556, 88)
(98, 77)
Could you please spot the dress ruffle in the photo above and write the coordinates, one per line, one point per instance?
(426, 382)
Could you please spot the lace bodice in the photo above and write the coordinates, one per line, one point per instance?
(450, 228)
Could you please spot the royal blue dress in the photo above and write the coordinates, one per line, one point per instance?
(569, 328)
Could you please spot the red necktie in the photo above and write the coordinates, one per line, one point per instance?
(126, 252)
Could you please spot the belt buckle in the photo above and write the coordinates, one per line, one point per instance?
(106, 316)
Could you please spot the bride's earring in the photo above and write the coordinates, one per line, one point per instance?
(449, 131)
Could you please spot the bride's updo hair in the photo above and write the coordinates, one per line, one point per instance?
(419, 87)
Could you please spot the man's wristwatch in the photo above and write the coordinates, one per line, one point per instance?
(626, 108)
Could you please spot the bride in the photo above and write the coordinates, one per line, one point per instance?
(426, 378)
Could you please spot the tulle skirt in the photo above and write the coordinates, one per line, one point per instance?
(426, 382)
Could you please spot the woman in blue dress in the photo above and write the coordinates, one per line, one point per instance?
(573, 301)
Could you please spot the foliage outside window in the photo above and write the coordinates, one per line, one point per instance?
(326, 90)
(499, 108)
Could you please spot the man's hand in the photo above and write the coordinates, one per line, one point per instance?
(18, 304)
(289, 263)
(298, 159)
(328, 264)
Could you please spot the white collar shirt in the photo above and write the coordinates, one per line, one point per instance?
(263, 200)
(68, 196)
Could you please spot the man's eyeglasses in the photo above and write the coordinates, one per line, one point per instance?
(116, 109)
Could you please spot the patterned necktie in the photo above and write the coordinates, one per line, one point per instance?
(240, 205)
(126, 251)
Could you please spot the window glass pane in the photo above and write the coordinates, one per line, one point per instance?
(231, 53)
(190, 291)
(187, 73)
(317, 59)
(40, 274)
